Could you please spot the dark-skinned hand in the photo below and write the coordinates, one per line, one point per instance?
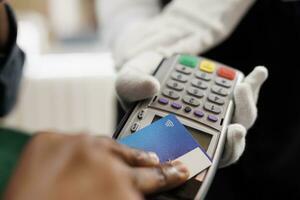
(63, 167)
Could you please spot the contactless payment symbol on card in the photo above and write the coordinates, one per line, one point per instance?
(169, 124)
(170, 140)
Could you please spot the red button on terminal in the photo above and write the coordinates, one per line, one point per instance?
(226, 73)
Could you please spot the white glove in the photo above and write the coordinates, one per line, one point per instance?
(184, 26)
(245, 97)
(117, 15)
(135, 83)
(189, 27)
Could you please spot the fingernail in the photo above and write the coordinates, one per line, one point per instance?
(181, 169)
(153, 156)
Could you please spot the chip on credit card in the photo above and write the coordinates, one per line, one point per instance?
(170, 140)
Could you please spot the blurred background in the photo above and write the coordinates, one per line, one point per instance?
(67, 26)
(69, 76)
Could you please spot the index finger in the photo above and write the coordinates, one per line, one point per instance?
(160, 178)
(132, 157)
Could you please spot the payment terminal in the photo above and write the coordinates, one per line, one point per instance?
(199, 92)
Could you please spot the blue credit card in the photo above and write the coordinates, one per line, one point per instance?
(167, 137)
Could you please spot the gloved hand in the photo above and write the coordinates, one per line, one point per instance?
(189, 27)
(183, 26)
(135, 83)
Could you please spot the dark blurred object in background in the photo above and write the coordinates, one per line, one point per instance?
(269, 169)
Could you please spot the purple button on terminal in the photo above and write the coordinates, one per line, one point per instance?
(163, 101)
(199, 113)
(212, 118)
(176, 105)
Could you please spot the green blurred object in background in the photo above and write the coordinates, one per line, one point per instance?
(12, 143)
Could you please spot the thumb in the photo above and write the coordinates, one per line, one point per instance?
(135, 81)
(132, 85)
(256, 79)
(235, 145)
(245, 107)
(246, 95)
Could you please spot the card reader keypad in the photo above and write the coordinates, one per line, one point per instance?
(197, 88)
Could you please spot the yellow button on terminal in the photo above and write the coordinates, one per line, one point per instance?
(207, 66)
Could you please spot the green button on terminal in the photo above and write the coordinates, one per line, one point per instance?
(189, 61)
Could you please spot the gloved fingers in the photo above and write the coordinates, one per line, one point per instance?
(153, 27)
(234, 146)
(130, 37)
(189, 44)
(160, 39)
(155, 36)
(167, 24)
(188, 40)
(133, 86)
(136, 39)
(245, 107)
(256, 79)
(167, 41)
(145, 62)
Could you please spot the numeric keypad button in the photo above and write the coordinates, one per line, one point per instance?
(216, 99)
(184, 70)
(195, 92)
(220, 91)
(223, 82)
(179, 77)
(171, 94)
(134, 127)
(187, 109)
(163, 101)
(212, 108)
(141, 114)
(199, 113)
(191, 101)
(207, 66)
(199, 84)
(203, 75)
(176, 105)
(212, 118)
(175, 85)
(226, 73)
